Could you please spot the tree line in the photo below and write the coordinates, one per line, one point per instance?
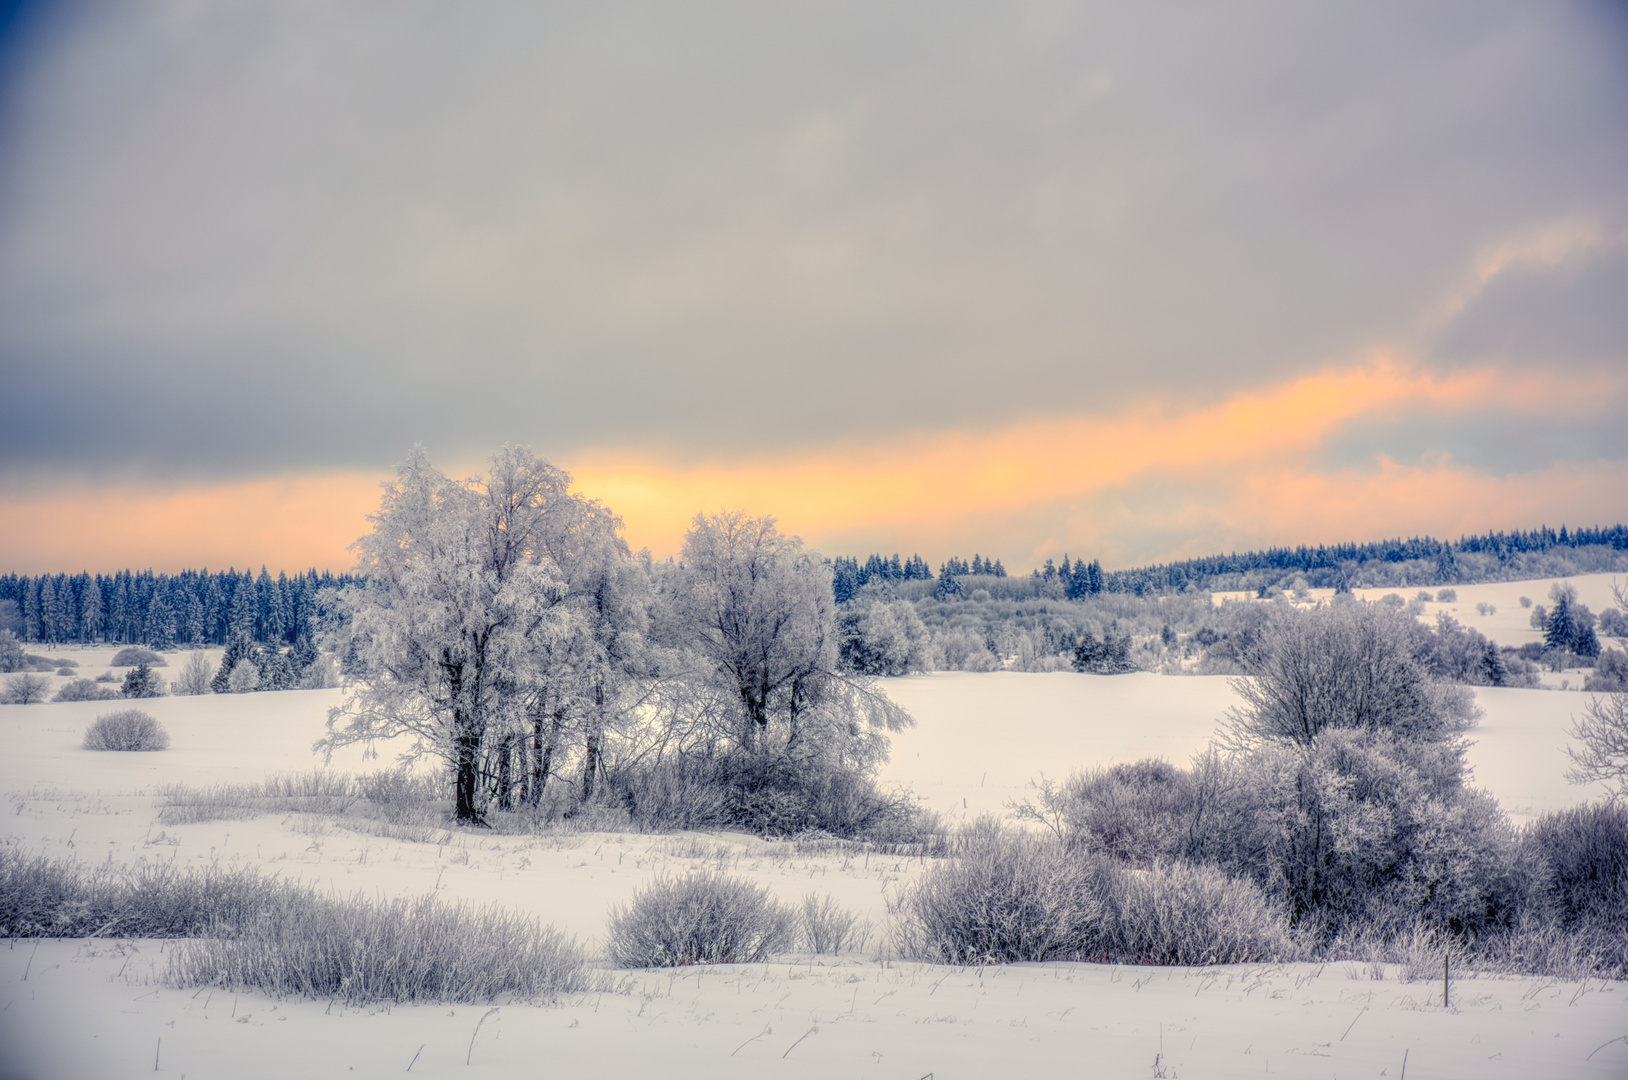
(162, 611)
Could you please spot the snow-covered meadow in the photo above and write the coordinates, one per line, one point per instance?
(95, 1008)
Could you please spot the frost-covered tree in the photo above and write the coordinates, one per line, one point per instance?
(881, 637)
(90, 613)
(240, 622)
(11, 652)
(759, 612)
(244, 677)
(460, 589)
(1344, 666)
(25, 689)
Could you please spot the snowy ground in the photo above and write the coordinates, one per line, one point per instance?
(92, 1009)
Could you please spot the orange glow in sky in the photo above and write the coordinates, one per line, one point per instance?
(1240, 467)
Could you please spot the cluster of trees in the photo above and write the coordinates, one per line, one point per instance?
(1341, 793)
(503, 623)
(1568, 625)
(248, 666)
(1494, 556)
(162, 611)
(849, 575)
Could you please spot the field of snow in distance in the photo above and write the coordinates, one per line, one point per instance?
(94, 1008)
(1504, 620)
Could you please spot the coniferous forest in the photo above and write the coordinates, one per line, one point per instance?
(162, 611)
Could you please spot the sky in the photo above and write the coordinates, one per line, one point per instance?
(1136, 282)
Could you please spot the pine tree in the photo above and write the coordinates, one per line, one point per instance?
(238, 648)
(276, 673)
(90, 611)
(140, 682)
(159, 627)
(195, 621)
(1560, 628)
(53, 613)
(242, 619)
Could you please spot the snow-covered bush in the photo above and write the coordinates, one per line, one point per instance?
(1136, 813)
(127, 729)
(1178, 913)
(1007, 897)
(321, 674)
(883, 638)
(1610, 675)
(194, 677)
(133, 655)
(828, 928)
(1582, 854)
(244, 677)
(24, 689)
(85, 690)
(698, 919)
(245, 931)
(360, 951)
(962, 650)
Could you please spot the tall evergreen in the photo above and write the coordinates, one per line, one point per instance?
(238, 648)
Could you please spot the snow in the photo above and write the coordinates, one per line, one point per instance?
(1506, 621)
(94, 1008)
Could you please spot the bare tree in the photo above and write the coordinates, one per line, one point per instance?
(1603, 732)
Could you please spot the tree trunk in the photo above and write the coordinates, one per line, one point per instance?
(590, 754)
(505, 774)
(545, 745)
(468, 777)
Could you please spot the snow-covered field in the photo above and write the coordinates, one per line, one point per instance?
(1503, 619)
(93, 1008)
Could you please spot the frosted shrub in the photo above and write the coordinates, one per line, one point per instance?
(127, 729)
(194, 677)
(134, 655)
(244, 677)
(1583, 854)
(1009, 897)
(828, 928)
(1134, 813)
(1184, 914)
(698, 919)
(24, 689)
(401, 950)
(85, 690)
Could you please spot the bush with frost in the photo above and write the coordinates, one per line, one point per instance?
(701, 918)
(127, 729)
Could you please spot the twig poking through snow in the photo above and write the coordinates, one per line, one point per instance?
(815, 1030)
(1353, 1023)
(473, 1035)
(766, 1031)
(1608, 1042)
(413, 1062)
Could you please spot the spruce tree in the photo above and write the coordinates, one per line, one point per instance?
(90, 612)
(242, 619)
(237, 648)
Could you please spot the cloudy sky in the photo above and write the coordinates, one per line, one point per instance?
(1133, 281)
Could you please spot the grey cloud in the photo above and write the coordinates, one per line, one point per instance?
(1567, 315)
(238, 239)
